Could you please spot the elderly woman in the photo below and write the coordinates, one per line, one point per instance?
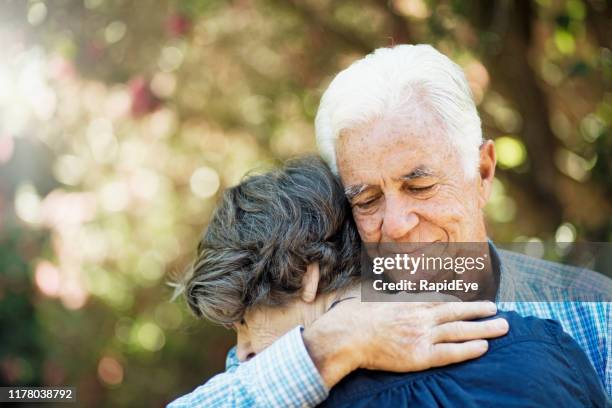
(281, 250)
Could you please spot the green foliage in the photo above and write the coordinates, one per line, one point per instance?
(21, 340)
(121, 122)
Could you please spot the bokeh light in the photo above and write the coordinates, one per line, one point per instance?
(510, 152)
(204, 182)
(110, 371)
(121, 124)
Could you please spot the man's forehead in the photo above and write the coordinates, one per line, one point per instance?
(358, 148)
(363, 150)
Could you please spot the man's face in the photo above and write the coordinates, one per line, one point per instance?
(407, 184)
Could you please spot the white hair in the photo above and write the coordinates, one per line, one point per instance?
(393, 82)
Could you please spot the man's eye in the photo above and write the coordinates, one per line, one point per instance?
(420, 189)
(364, 205)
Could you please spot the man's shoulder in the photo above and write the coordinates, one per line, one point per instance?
(546, 278)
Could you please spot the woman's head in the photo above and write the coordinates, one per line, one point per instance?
(266, 231)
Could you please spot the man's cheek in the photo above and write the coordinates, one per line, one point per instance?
(368, 227)
(452, 220)
(451, 204)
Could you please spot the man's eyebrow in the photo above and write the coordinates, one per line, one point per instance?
(354, 190)
(418, 172)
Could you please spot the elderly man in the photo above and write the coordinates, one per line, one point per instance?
(401, 130)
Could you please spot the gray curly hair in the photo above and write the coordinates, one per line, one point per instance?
(264, 234)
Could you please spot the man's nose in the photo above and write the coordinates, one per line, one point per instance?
(399, 219)
(244, 351)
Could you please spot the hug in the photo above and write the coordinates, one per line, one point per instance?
(405, 161)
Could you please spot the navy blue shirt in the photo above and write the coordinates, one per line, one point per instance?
(535, 365)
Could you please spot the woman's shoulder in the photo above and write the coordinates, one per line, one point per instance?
(517, 369)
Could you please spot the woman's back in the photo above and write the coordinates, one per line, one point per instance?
(535, 365)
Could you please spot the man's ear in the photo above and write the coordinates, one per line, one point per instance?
(310, 283)
(486, 171)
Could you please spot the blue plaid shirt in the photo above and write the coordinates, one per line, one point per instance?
(524, 279)
(284, 375)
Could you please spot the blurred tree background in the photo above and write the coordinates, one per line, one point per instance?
(122, 121)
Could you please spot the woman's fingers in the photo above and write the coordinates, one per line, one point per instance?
(464, 331)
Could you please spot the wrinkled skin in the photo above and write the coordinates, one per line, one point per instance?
(410, 184)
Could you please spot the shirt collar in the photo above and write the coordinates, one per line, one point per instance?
(507, 286)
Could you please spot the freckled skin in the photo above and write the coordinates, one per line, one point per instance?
(380, 153)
